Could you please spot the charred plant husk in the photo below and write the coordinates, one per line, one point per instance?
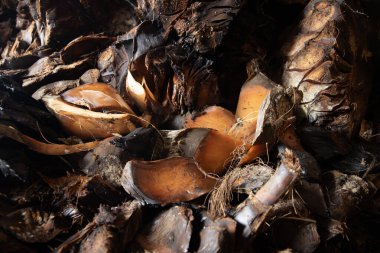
(181, 126)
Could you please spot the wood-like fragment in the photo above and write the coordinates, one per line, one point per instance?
(217, 235)
(283, 178)
(45, 148)
(50, 69)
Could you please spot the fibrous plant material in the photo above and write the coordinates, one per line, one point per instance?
(107, 160)
(161, 78)
(328, 60)
(283, 178)
(157, 126)
(183, 81)
(163, 236)
(204, 31)
(109, 231)
(247, 178)
(85, 192)
(288, 226)
(276, 115)
(346, 193)
(34, 225)
(102, 239)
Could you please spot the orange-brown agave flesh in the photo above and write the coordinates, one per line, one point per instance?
(169, 180)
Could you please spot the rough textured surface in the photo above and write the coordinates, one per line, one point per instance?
(195, 169)
(327, 60)
(162, 236)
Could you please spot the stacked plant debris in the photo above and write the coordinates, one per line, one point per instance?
(189, 126)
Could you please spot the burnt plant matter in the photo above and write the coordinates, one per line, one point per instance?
(189, 126)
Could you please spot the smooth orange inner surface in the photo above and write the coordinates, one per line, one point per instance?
(250, 99)
(96, 97)
(215, 151)
(214, 117)
(171, 180)
(254, 152)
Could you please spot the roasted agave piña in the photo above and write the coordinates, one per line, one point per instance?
(328, 60)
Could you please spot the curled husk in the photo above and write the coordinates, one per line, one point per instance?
(88, 124)
(214, 117)
(212, 150)
(174, 179)
(92, 111)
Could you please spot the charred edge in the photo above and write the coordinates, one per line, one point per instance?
(291, 161)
